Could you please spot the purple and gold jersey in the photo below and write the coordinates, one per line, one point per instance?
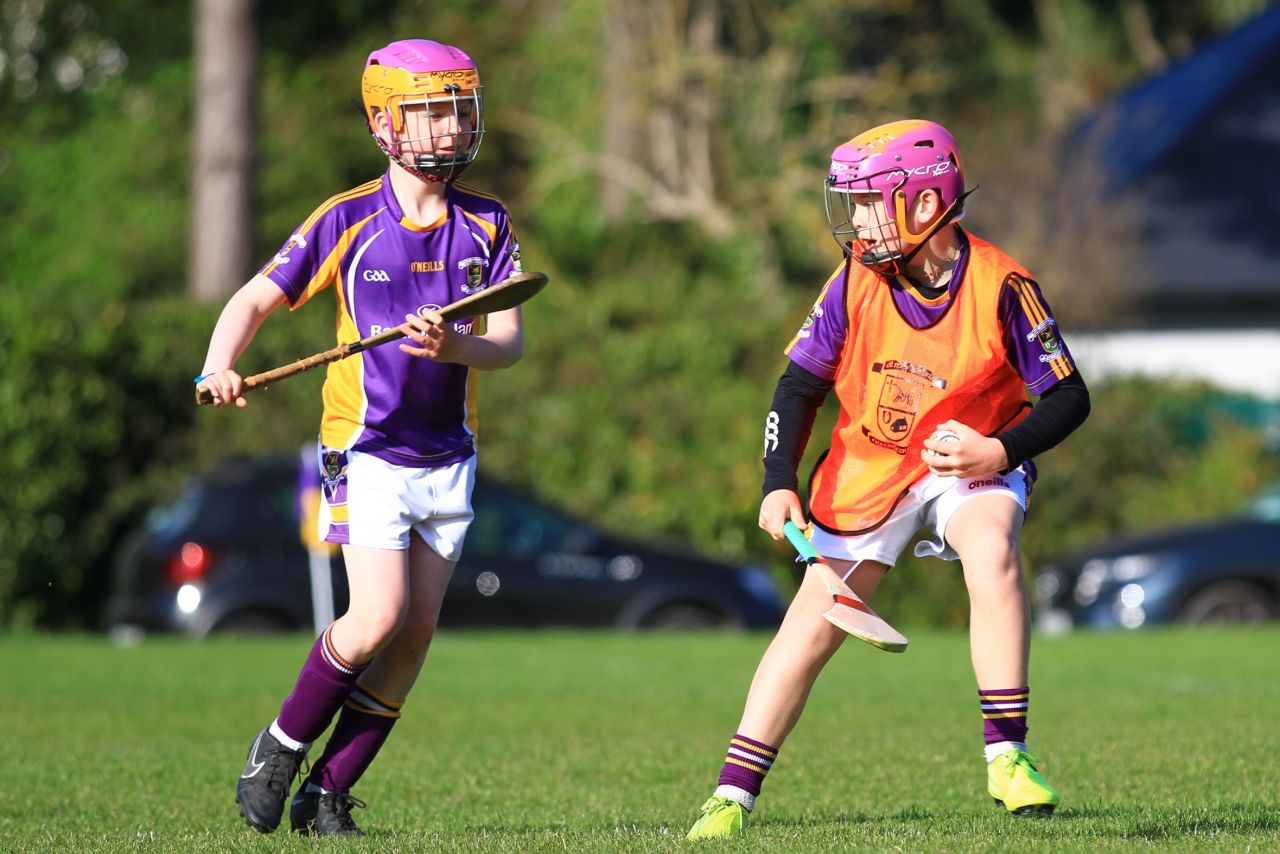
(1029, 330)
(405, 410)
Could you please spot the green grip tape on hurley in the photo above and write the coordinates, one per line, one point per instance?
(800, 542)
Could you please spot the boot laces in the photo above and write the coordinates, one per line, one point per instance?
(282, 765)
(340, 804)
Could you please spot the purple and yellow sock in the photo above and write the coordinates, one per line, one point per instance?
(745, 765)
(1004, 717)
(323, 685)
(362, 729)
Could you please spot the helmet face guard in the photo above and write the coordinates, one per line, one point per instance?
(892, 164)
(443, 82)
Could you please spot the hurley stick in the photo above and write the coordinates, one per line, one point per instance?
(507, 294)
(849, 613)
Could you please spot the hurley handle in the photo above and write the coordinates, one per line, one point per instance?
(801, 543)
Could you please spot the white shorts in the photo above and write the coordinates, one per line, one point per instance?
(929, 505)
(371, 502)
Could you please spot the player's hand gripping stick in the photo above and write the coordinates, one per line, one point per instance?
(507, 294)
(849, 613)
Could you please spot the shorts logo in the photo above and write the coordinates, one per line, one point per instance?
(333, 464)
(991, 481)
(375, 276)
(475, 268)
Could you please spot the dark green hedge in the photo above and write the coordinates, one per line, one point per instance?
(97, 423)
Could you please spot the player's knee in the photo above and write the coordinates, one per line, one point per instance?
(994, 556)
(416, 633)
(372, 628)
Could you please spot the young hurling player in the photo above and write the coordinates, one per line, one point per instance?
(396, 454)
(922, 327)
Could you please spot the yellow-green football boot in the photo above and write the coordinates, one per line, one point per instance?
(721, 818)
(1015, 784)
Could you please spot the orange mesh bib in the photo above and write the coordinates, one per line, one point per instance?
(896, 384)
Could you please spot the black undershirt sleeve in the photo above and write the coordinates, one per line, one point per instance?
(796, 402)
(1058, 412)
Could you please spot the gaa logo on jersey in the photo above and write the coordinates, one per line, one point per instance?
(475, 268)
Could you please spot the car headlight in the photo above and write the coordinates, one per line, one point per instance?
(1098, 572)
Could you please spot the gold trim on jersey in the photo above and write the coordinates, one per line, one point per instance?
(329, 204)
(472, 191)
(490, 230)
(330, 270)
(1038, 315)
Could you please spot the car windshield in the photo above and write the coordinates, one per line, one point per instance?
(233, 507)
(1265, 505)
(505, 525)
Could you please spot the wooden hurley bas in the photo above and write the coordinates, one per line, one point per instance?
(499, 297)
(848, 613)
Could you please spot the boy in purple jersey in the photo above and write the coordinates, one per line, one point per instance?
(932, 339)
(397, 454)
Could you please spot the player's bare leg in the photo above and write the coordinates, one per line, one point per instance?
(378, 580)
(395, 669)
(803, 645)
(984, 532)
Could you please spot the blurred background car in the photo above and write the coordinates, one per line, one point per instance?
(1226, 571)
(226, 555)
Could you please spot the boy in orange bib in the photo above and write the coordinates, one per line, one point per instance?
(934, 342)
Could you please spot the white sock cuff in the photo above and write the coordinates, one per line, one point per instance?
(991, 751)
(280, 736)
(742, 796)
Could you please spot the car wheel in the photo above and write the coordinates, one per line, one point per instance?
(1229, 602)
(684, 617)
(253, 623)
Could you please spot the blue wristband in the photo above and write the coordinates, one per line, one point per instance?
(198, 379)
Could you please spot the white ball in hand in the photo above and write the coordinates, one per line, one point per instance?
(941, 435)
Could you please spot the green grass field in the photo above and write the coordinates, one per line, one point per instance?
(1164, 740)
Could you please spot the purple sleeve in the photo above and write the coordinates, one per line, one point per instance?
(1031, 336)
(816, 347)
(296, 266)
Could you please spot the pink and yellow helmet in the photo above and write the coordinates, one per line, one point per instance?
(896, 161)
(418, 71)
